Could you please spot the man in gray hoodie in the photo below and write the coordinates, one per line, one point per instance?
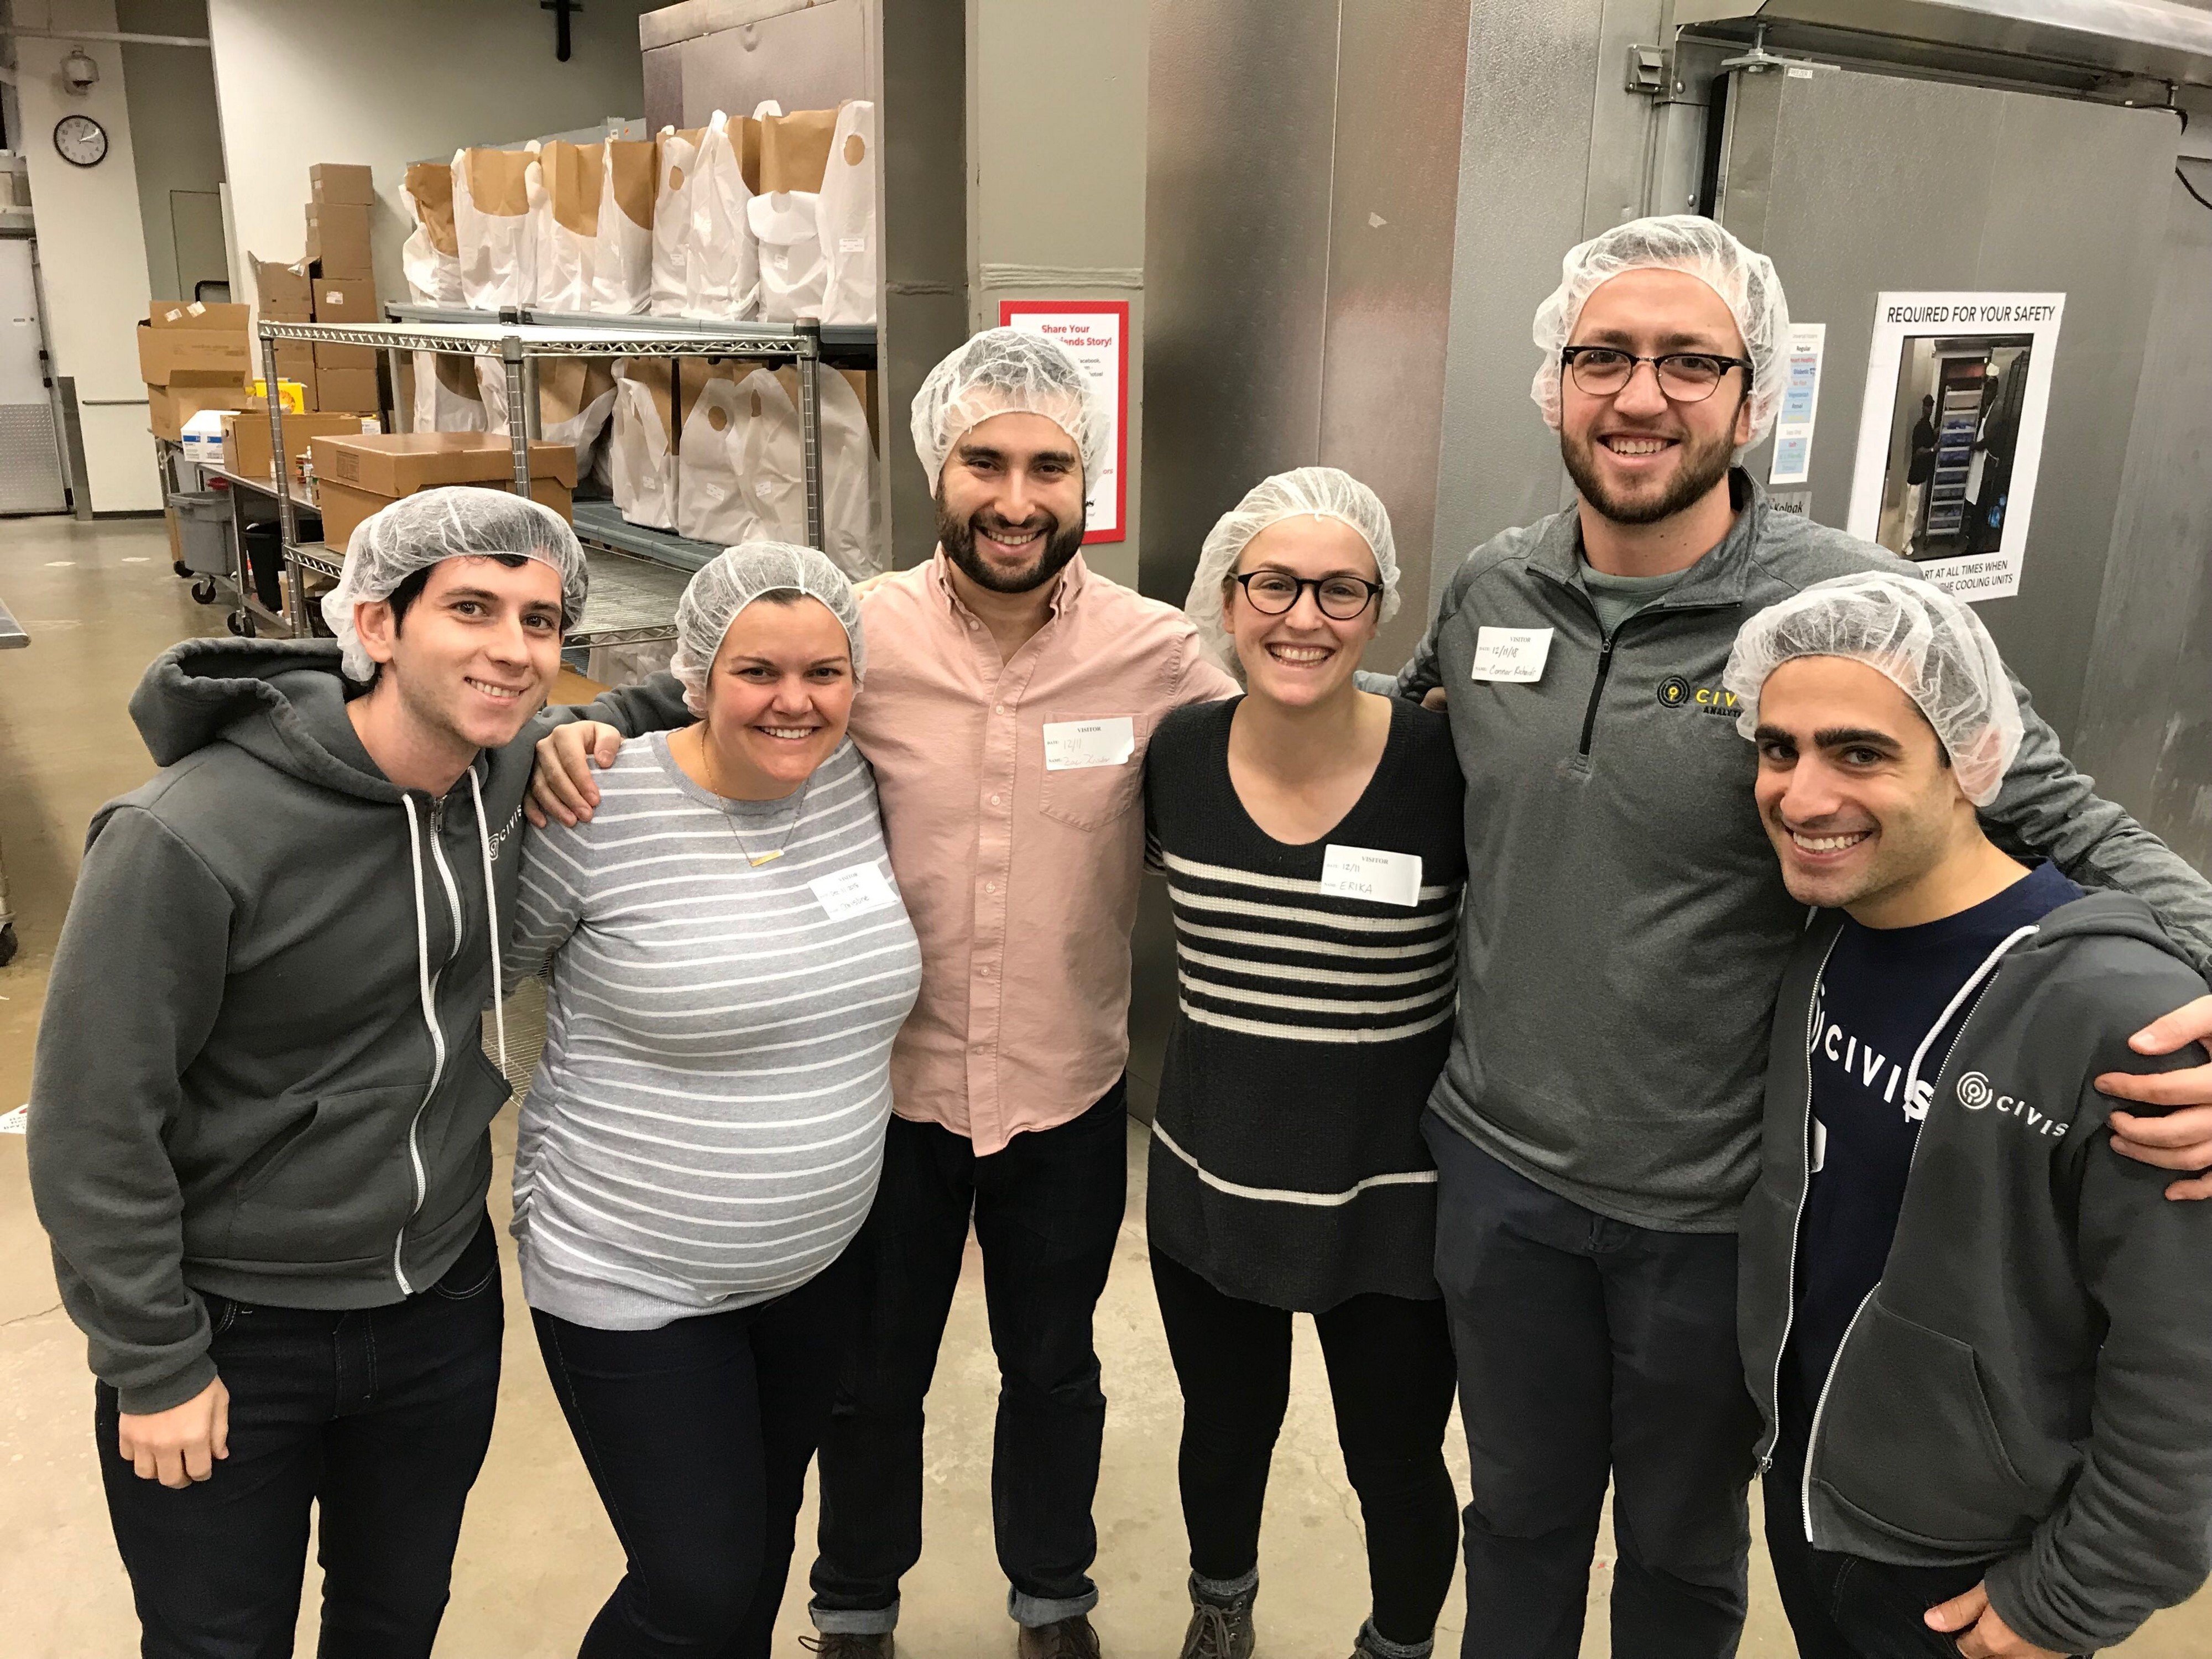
(1978, 1341)
(258, 1111)
(1596, 1127)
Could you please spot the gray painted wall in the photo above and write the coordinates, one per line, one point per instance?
(2146, 724)
(177, 138)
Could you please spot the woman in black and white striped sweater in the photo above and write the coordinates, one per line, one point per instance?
(1311, 838)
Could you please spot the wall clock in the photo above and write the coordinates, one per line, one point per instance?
(81, 140)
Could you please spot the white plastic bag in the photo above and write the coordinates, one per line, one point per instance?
(446, 397)
(792, 274)
(848, 218)
(431, 256)
(492, 225)
(675, 167)
(575, 397)
(851, 513)
(622, 256)
(641, 470)
(740, 480)
(721, 270)
(567, 190)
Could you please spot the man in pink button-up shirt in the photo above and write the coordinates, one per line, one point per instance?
(1011, 694)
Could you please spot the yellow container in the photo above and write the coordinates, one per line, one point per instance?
(294, 395)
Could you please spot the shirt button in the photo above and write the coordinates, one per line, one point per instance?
(972, 624)
(990, 887)
(994, 801)
(984, 971)
(997, 708)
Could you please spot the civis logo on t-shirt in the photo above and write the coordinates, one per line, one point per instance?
(1867, 1068)
(1977, 1094)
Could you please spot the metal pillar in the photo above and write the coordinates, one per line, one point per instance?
(517, 435)
(810, 427)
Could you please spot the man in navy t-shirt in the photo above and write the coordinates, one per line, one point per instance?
(1977, 1337)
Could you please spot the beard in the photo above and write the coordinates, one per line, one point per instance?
(1704, 462)
(1059, 544)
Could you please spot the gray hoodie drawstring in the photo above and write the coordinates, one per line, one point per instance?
(491, 916)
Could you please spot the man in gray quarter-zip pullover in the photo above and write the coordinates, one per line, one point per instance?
(1623, 932)
(258, 1111)
(1978, 1341)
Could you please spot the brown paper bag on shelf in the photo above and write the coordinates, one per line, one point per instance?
(564, 211)
(794, 149)
(492, 190)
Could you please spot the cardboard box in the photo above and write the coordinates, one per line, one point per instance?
(401, 462)
(295, 361)
(245, 447)
(346, 299)
(356, 477)
(345, 359)
(346, 388)
(168, 407)
(195, 344)
(282, 293)
(337, 240)
(333, 183)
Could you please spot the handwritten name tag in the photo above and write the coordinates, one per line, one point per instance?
(1511, 654)
(854, 891)
(1069, 745)
(1366, 872)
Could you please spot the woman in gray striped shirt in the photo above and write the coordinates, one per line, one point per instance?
(730, 961)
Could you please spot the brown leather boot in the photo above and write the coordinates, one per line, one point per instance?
(1064, 1639)
(851, 1644)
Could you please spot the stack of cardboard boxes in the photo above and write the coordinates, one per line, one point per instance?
(333, 282)
(193, 357)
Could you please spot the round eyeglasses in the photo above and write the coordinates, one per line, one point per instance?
(1341, 598)
(1685, 377)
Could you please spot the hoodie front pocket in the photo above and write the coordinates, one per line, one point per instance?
(338, 1189)
(1905, 1437)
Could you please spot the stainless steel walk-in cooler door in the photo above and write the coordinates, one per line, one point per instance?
(1854, 184)
(30, 451)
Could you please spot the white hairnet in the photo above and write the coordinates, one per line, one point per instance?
(1678, 241)
(454, 521)
(733, 580)
(1003, 371)
(1321, 492)
(1930, 645)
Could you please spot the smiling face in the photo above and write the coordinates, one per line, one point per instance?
(1010, 502)
(1303, 656)
(778, 696)
(1637, 456)
(1854, 787)
(473, 655)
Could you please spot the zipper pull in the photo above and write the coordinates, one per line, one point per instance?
(438, 818)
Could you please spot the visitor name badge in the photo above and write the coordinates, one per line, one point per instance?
(1512, 654)
(1366, 872)
(1069, 745)
(854, 891)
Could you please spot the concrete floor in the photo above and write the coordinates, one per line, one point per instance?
(536, 1556)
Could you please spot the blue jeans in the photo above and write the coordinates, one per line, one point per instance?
(1046, 1209)
(379, 1417)
(1591, 1348)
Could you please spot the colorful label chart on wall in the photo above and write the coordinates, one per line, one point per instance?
(1951, 434)
(1801, 401)
(1098, 332)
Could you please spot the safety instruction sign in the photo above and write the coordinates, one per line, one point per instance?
(1951, 434)
(1801, 402)
(1098, 332)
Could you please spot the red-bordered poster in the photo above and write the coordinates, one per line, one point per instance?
(1098, 332)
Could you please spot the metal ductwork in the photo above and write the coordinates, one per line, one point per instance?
(2110, 48)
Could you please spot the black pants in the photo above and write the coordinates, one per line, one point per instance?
(1846, 1606)
(378, 1418)
(697, 1436)
(1390, 1380)
(1588, 1347)
(1046, 1208)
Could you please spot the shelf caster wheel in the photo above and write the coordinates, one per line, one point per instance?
(203, 590)
(7, 943)
(180, 566)
(240, 624)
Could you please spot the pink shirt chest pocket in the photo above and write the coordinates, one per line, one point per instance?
(1088, 766)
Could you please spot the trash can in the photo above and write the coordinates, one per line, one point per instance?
(264, 557)
(202, 530)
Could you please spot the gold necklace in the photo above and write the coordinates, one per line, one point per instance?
(799, 809)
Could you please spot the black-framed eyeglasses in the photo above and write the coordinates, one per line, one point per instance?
(1685, 377)
(1341, 598)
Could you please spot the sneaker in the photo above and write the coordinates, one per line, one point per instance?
(1064, 1639)
(851, 1644)
(1217, 1632)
